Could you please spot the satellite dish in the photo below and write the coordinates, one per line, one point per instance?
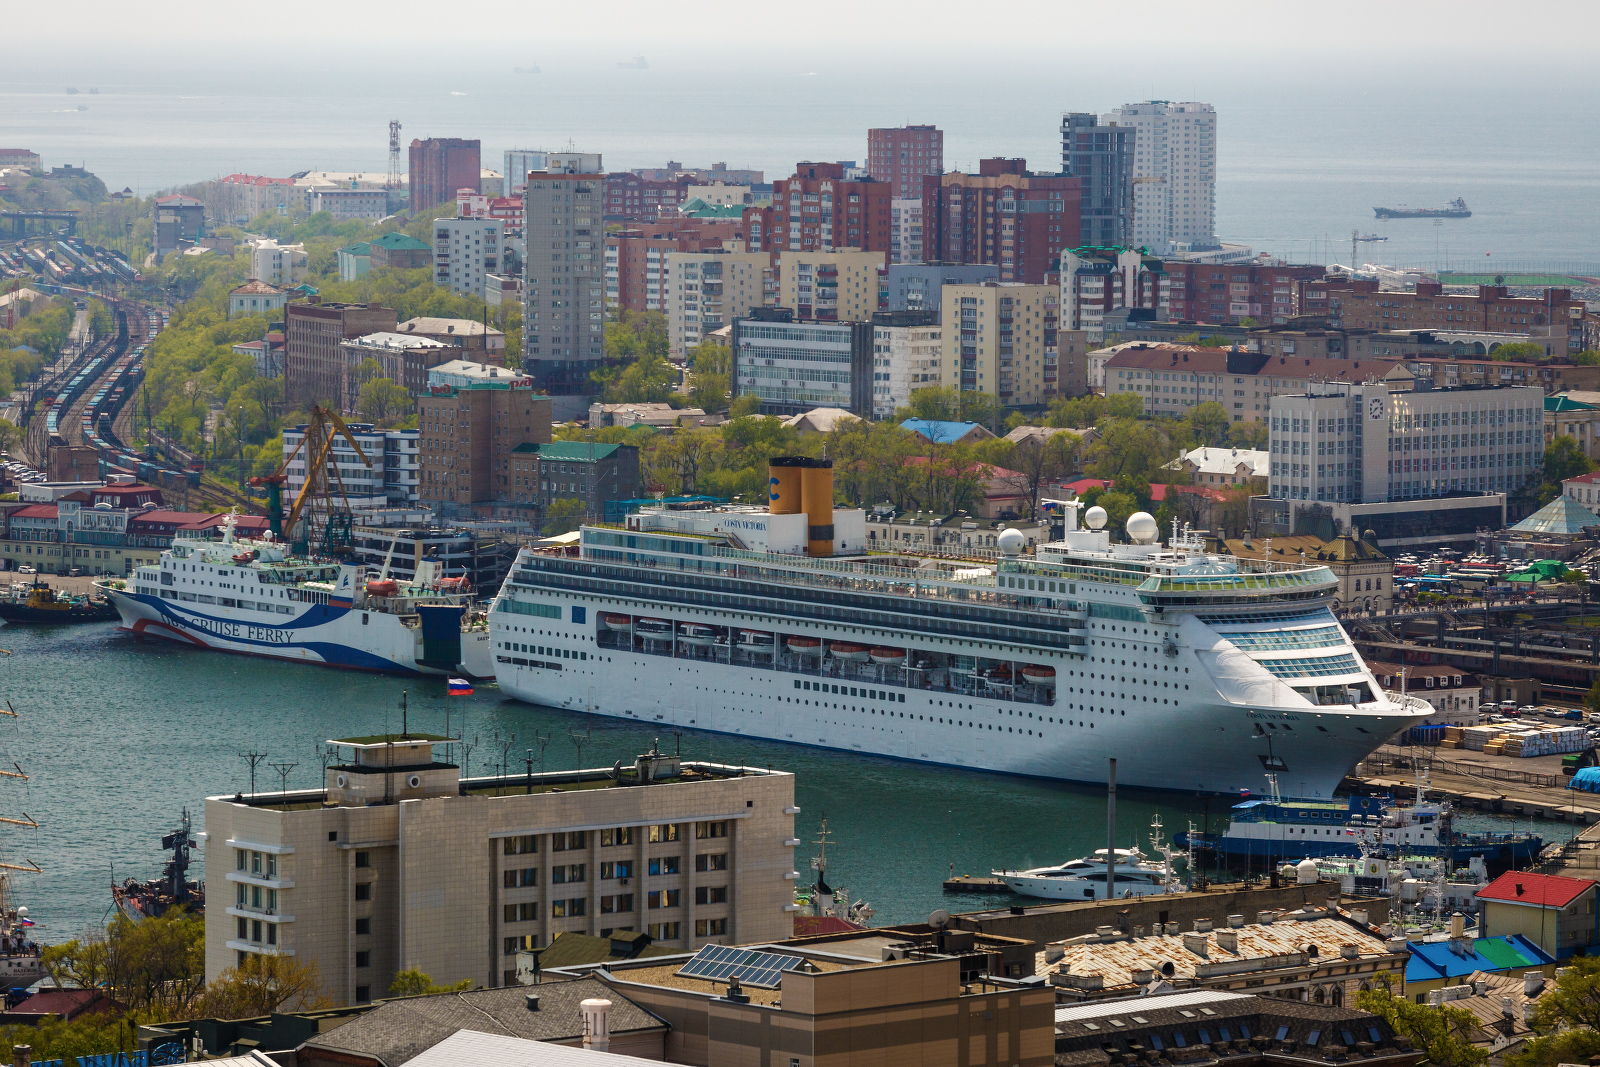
(939, 919)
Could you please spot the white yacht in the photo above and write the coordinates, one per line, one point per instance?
(1085, 879)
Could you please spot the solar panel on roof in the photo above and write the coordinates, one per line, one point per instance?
(718, 963)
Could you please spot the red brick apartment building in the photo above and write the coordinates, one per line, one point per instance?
(1212, 292)
(1554, 320)
(903, 156)
(630, 198)
(441, 166)
(1003, 215)
(817, 209)
(636, 257)
(315, 367)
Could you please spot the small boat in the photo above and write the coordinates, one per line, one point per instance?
(1085, 879)
(43, 604)
(383, 587)
(694, 633)
(653, 629)
(847, 650)
(617, 622)
(1044, 677)
(889, 657)
(756, 641)
(804, 646)
(243, 558)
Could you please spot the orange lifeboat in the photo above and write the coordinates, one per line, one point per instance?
(1044, 677)
(889, 657)
(804, 646)
(617, 622)
(243, 558)
(383, 587)
(848, 650)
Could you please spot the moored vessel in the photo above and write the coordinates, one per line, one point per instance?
(38, 602)
(152, 898)
(1133, 875)
(1455, 209)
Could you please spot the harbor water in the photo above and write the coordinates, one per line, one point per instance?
(117, 737)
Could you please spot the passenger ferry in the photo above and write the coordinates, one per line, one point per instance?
(249, 596)
(1197, 671)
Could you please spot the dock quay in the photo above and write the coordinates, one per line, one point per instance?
(1534, 788)
(973, 883)
(1045, 923)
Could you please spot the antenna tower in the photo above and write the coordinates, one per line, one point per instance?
(394, 154)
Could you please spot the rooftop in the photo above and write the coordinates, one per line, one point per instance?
(1432, 960)
(1227, 460)
(1535, 890)
(397, 242)
(1563, 515)
(460, 327)
(942, 432)
(255, 287)
(385, 339)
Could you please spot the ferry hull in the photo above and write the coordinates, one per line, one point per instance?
(1516, 852)
(322, 634)
(1186, 745)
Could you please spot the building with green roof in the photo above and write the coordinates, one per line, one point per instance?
(354, 261)
(587, 471)
(400, 251)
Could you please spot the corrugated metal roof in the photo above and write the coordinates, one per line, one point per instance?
(1094, 1009)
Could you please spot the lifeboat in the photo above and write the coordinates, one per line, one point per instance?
(755, 640)
(1001, 673)
(653, 629)
(804, 646)
(453, 585)
(242, 558)
(617, 622)
(694, 633)
(848, 650)
(1044, 677)
(383, 587)
(889, 657)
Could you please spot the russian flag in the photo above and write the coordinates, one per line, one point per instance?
(460, 687)
(25, 922)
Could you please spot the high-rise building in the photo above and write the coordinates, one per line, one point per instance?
(389, 481)
(636, 257)
(519, 161)
(398, 860)
(916, 286)
(794, 366)
(464, 251)
(1004, 215)
(563, 290)
(316, 367)
(818, 209)
(630, 198)
(1232, 292)
(1100, 156)
(903, 155)
(1098, 280)
(469, 433)
(180, 221)
(906, 355)
(835, 286)
(905, 236)
(706, 291)
(439, 167)
(1004, 338)
(1175, 209)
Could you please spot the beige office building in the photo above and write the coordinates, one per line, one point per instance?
(1004, 338)
(836, 286)
(398, 863)
(706, 291)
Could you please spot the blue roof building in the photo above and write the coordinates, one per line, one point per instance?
(1434, 964)
(947, 433)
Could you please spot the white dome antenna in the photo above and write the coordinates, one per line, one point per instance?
(1142, 528)
(1095, 518)
(1012, 542)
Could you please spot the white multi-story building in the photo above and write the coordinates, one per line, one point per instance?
(904, 358)
(391, 479)
(1175, 150)
(905, 231)
(277, 264)
(465, 251)
(705, 291)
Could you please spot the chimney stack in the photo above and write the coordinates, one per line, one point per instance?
(532, 1001)
(1532, 983)
(596, 1024)
(21, 1055)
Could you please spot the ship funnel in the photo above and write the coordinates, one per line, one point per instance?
(816, 497)
(783, 485)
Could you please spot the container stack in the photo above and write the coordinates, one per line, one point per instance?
(1551, 742)
(1475, 737)
(1428, 734)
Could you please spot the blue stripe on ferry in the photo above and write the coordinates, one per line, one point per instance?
(210, 624)
(328, 651)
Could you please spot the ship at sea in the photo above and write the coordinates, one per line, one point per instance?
(150, 899)
(1456, 209)
(1198, 671)
(40, 603)
(250, 596)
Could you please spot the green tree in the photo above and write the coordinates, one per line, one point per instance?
(262, 985)
(1518, 352)
(1208, 424)
(415, 983)
(9, 435)
(1587, 358)
(1563, 1046)
(102, 323)
(1119, 506)
(746, 404)
(564, 515)
(1247, 434)
(382, 399)
(710, 369)
(1128, 448)
(157, 965)
(1443, 1034)
(1574, 999)
(1563, 459)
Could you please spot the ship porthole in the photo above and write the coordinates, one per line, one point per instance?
(340, 781)
(414, 781)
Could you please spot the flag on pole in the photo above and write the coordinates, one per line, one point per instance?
(460, 687)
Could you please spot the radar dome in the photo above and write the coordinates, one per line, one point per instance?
(1011, 541)
(1142, 527)
(1306, 871)
(1095, 517)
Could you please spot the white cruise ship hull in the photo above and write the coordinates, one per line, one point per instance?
(321, 634)
(1131, 708)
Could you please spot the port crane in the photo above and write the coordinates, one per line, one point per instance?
(1357, 237)
(317, 504)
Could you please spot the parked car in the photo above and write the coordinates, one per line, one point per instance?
(1575, 715)
(26, 569)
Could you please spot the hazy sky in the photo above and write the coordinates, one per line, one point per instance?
(1513, 38)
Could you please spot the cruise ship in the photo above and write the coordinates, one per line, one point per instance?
(1198, 672)
(249, 596)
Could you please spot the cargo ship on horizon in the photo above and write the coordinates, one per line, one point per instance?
(1455, 209)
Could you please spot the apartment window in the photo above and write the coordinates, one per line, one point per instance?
(243, 929)
(572, 908)
(363, 890)
(622, 835)
(663, 931)
(616, 869)
(526, 912)
(663, 832)
(711, 894)
(520, 878)
(521, 845)
(620, 902)
(241, 859)
(255, 863)
(663, 898)
(363, 926)
(664, 865)
(526, 943)
(703, 830)
(711, 861)
(715, 928)
(363, 859)
(364, 958)
(561, 874)
(570, 840)
(363, 994)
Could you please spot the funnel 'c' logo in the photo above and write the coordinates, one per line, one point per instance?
(772, 488)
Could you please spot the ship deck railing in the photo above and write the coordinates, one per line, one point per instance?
(942, 678)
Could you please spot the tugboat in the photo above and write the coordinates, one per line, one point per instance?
(40, 603)
(145, 900)
(1456, 209)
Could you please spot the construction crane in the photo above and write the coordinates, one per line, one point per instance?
(1357, 237)
(323, 512)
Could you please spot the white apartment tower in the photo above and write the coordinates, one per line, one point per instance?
(904, 357)
(1175, 173)
(464, 251)
(905, 231)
